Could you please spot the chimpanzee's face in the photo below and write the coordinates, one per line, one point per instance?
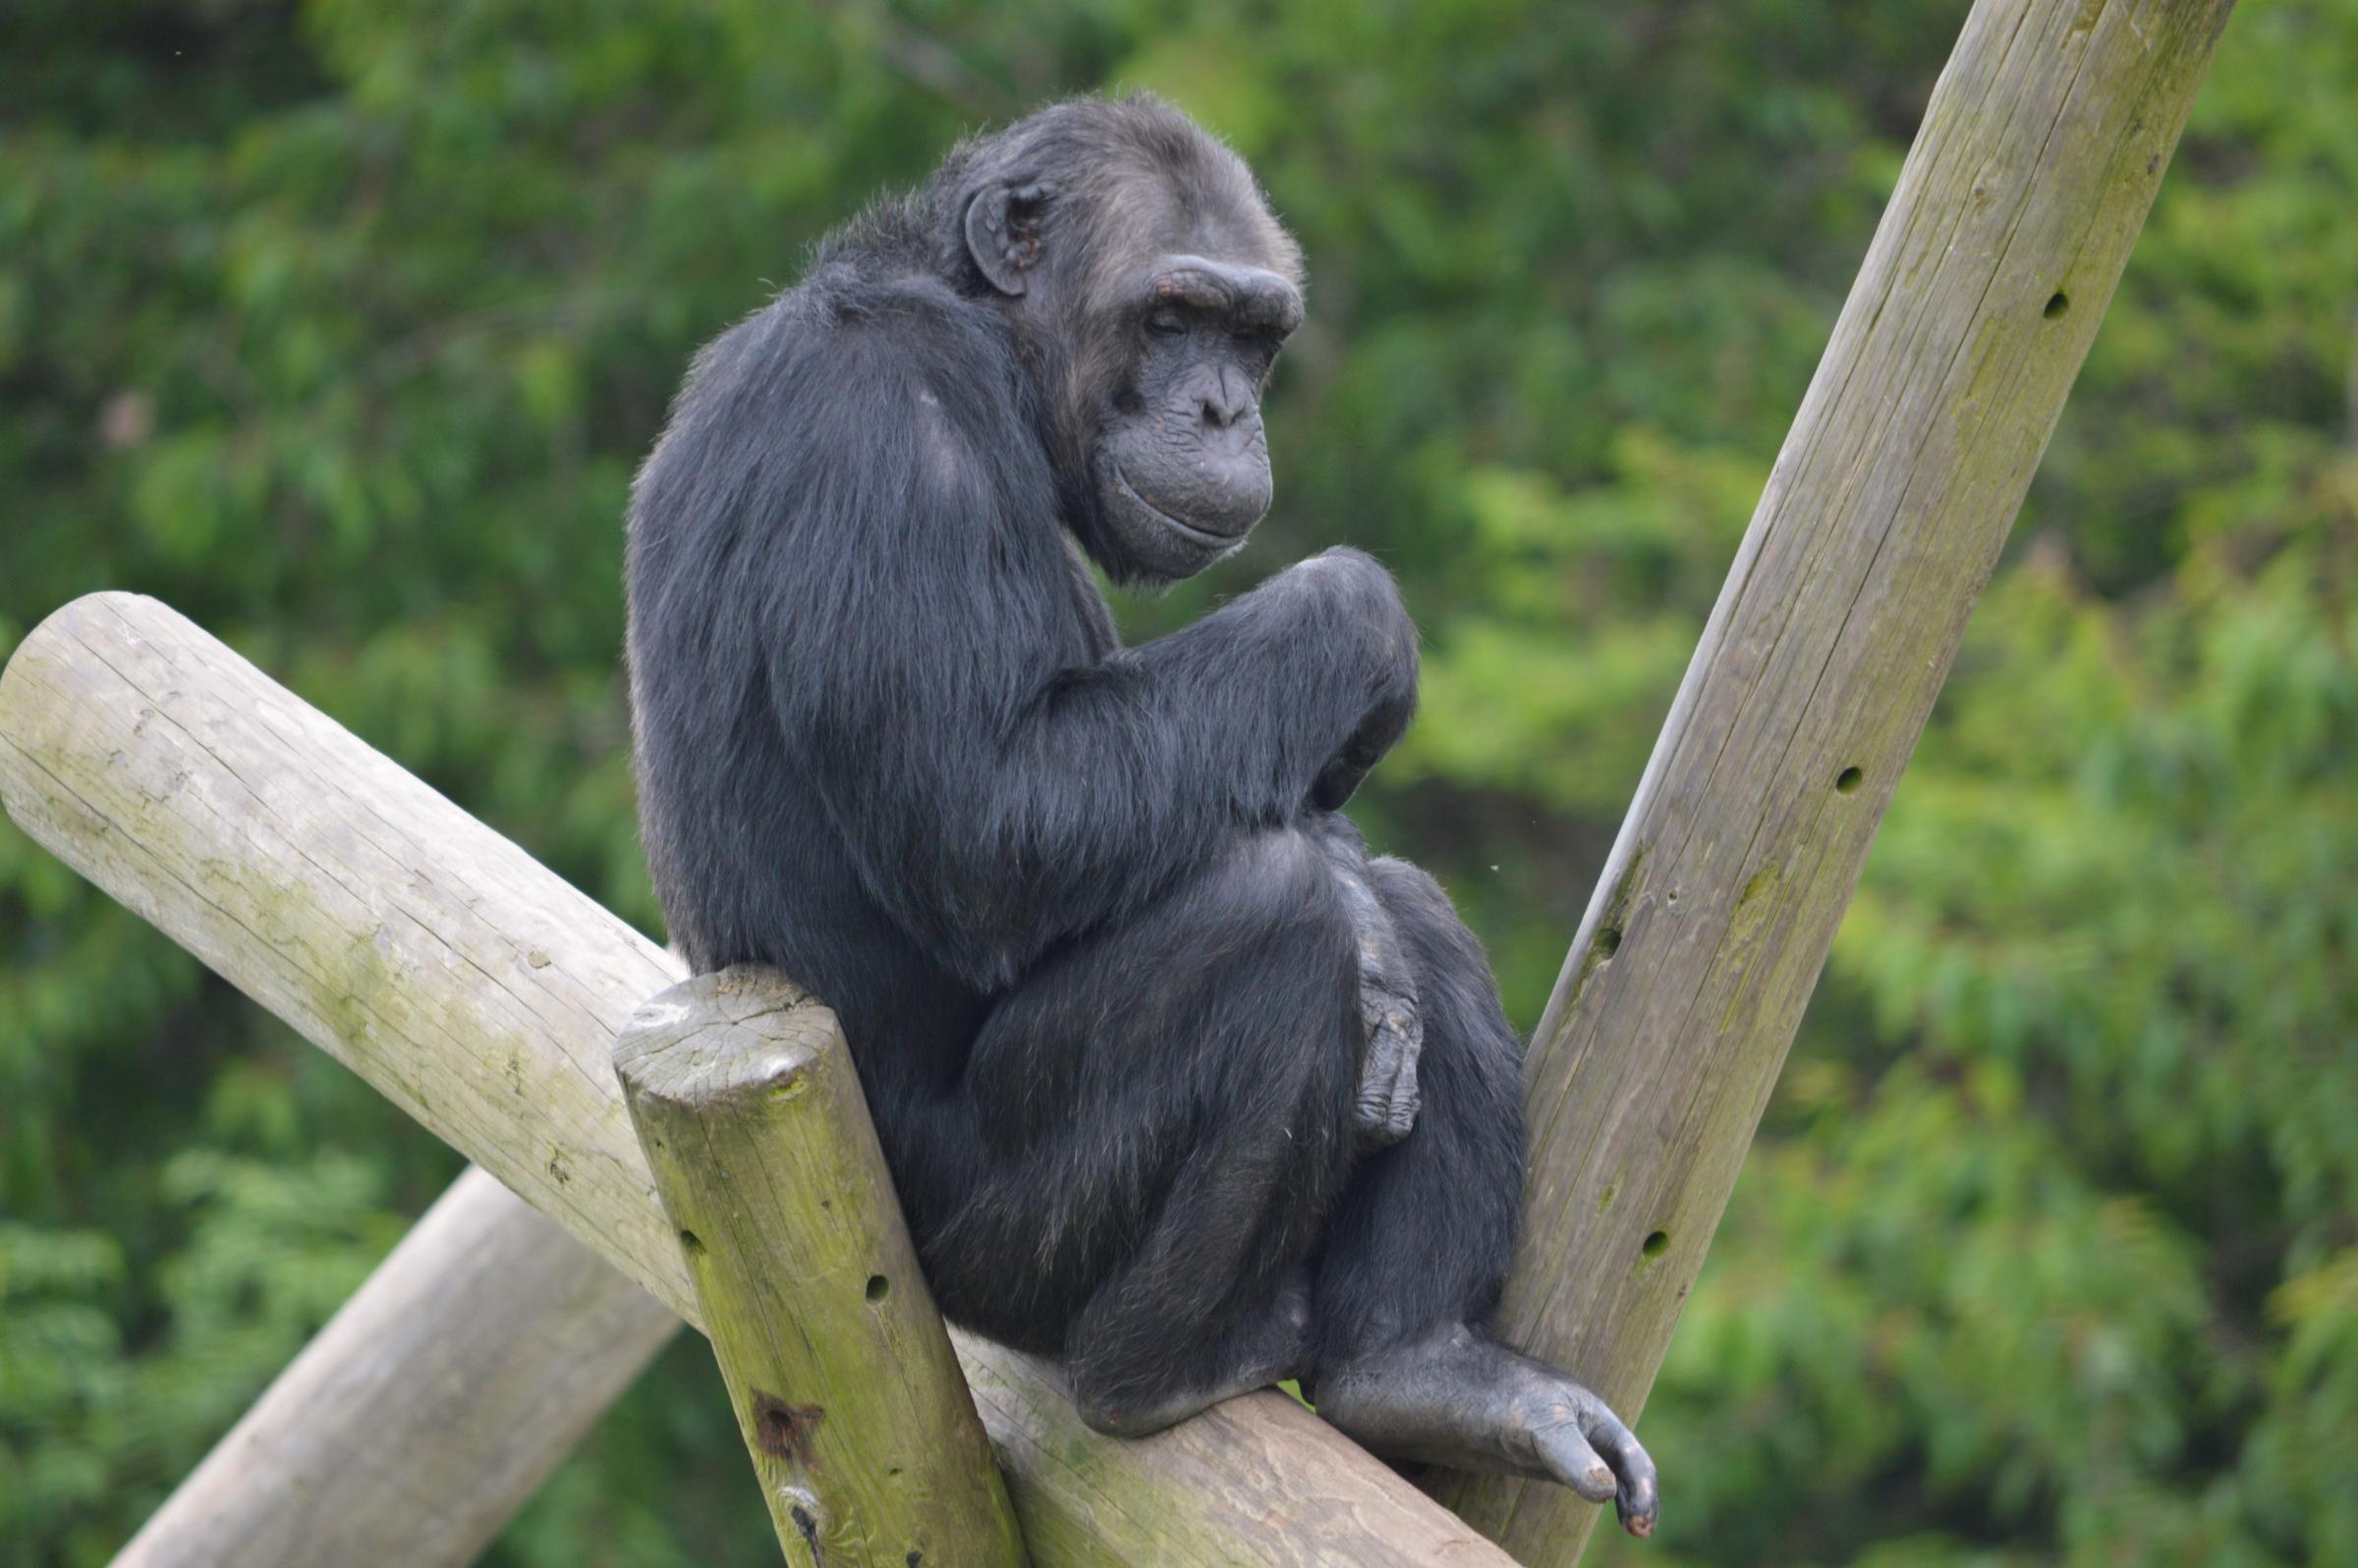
(1153, 304)
(1180, 461)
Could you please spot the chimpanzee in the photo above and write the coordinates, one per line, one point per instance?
(1175, 1081)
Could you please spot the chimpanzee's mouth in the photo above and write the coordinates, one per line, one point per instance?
(1203, 537)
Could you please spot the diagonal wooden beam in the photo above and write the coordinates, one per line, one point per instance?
(483, 997)
(429, 1408)
(2040, 153)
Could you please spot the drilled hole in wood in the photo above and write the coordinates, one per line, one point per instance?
(1656, 1243)
(2058, 305)
(1609, 941)
(878, 1287)
(1848, 780)
(692, 1242)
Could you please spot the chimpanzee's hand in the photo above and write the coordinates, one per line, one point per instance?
(1386, 1106)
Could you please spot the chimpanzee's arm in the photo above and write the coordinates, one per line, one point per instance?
(998, 790)
(994, 815)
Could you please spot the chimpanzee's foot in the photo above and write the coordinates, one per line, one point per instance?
(1271, 1344)
(1461, 1398)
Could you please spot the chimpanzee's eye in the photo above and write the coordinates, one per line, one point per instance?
(1165, 324)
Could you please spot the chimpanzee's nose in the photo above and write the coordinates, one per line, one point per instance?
(1226, 396)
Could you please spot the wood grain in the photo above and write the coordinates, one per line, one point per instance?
(484, 996)
(2040, 153)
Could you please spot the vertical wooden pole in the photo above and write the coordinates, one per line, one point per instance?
(848, 1395)
(2040, 153)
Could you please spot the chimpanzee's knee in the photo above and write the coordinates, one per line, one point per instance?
(1423, 1234)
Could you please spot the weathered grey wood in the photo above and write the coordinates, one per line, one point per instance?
(859, 1423)
(430, 1405)
(2040, 153)
(483, 995)
(1269, 1482)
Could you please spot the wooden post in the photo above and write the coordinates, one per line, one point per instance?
(852, 1405)
(483, 995)
(2041, 152)
(429, 1408)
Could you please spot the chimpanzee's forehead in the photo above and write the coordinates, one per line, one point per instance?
(1164, 236)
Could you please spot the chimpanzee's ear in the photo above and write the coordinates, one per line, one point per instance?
(1002, 232)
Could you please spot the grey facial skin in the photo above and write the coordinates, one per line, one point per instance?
(1184, 471)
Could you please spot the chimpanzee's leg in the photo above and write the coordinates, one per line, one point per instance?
(1164, 1117)
(1424, 1232)
(1417, 1249)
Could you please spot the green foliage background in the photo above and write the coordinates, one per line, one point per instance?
(341, 326)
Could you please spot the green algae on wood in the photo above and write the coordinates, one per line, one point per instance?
(854, 1414)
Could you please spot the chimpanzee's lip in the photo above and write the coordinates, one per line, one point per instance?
(1202, 536)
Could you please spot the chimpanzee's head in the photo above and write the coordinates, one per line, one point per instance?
(1150, 290)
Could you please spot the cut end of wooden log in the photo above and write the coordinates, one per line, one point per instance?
(744, 1030)
(858, 1421)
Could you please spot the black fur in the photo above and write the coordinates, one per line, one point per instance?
(1075, 904)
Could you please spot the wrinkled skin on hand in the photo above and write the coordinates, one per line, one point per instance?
(1385, 1108)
